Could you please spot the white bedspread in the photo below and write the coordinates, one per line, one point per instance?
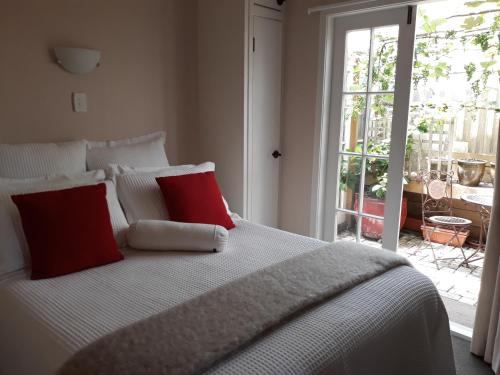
(394, 323)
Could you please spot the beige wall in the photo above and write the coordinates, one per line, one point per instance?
(146, 81)
(301, 65)
(221, 59)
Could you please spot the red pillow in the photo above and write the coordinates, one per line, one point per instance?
(67, 230)
(195, 198)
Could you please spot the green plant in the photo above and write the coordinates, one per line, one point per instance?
(375, 170)
(437, 41)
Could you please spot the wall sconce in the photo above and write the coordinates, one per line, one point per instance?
(77, 60)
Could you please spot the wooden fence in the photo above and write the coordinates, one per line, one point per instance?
(466, 135)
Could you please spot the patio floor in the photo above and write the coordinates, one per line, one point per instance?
(458, 284)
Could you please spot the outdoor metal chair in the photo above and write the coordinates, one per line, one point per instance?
(437, 213)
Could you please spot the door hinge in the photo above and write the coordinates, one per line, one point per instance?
(409, 17)
(253, 44)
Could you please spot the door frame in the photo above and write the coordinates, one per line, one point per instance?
(328, 14)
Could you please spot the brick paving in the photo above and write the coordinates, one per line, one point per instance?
(457, 283)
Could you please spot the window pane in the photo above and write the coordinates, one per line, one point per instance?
(357, 55)
(350, 172)
(379, 124)
(346, 226)
(353, 123)
(371, 231)
(375, 186)
(384, 54)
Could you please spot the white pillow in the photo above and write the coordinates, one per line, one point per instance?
(42, 159)
(14, 253)
(128, 141)
(140, 194)
(170, 235)
(118, 169)
(97, 175)
(145, 151)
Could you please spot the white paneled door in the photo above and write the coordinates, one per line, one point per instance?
(264, 117)
(371, 80)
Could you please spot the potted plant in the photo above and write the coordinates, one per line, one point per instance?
(375, 187)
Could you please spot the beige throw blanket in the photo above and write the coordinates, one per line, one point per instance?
(192, 336)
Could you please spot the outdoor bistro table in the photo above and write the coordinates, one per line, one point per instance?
(484, 204)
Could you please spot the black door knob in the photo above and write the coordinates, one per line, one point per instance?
(276, 154)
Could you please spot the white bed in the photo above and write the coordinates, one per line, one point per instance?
(392, 324)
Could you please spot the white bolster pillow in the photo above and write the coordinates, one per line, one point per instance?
(172, 235)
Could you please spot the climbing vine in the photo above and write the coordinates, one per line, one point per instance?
(438, 40)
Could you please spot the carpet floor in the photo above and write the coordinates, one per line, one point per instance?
(465, 362)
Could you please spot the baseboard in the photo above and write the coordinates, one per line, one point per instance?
(460, 331)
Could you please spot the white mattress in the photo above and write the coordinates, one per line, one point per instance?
(44, 322)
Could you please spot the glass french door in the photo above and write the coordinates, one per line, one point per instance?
(371, 80)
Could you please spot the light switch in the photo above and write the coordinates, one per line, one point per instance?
(79, 102)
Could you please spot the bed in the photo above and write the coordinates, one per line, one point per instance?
(394, 323)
